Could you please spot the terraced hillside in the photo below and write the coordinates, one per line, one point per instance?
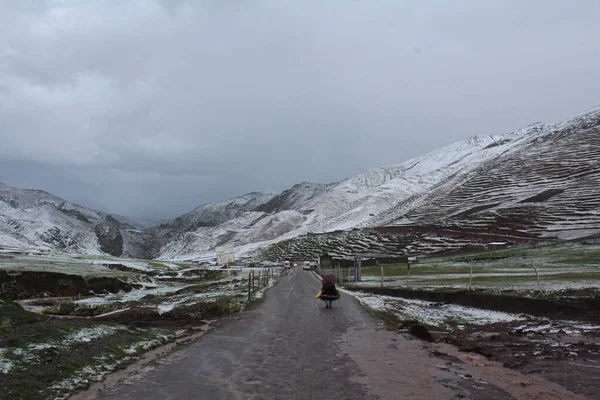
(545, 185)
(387, 242)
(549, 187)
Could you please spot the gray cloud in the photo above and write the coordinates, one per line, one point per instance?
(150, 108)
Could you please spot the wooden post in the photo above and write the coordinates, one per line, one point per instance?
(249, 288)
(253, 281)
(230, 277)
(381, 267)
(536, 275)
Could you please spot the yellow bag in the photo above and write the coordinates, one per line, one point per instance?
(319, 294)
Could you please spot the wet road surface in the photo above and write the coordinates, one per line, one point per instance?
(291, 347)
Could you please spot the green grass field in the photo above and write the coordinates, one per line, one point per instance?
(568, 265)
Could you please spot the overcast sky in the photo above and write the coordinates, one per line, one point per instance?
(150, 108)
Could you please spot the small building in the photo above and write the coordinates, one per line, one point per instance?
(366, 260)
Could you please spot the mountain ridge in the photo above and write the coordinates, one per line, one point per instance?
(525, 182)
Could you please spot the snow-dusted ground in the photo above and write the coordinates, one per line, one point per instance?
(163, 295)
(154, 280)
(30, 354)
(566, 327)
(434, 314)
(133, 295)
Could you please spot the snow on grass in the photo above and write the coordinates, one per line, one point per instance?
(5, 363)
(106, 363)
(566, 327)
(28, 356)
(80, 336)
(169, 305)
(143, 346)
(170, 265)
(96, 372)
(129, 296)
(434, 314)
(19, 357)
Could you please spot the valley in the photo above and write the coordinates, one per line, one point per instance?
(503, 231)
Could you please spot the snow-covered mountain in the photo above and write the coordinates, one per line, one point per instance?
(211, 215)
(317, 208)
(295, 198)
(451, 186)
(538, 182)
(547, 184)
(37, 219)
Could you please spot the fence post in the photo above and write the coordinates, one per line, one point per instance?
(536, 275)
(249, 288)
(381, 267)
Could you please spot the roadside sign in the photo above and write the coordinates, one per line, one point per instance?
(225, 254)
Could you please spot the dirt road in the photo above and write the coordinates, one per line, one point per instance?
(291, 347)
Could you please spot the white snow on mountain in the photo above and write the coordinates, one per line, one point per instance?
(37, 219)
(346, 205)
(376, 197)
(401, 194)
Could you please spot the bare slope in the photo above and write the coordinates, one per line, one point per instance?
(37, 219)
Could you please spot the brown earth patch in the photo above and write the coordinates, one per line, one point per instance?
(562, 354)
(32, 284)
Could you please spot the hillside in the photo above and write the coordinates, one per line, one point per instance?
(538, 183)
(37, 219)
(355, 202)
(548, 186)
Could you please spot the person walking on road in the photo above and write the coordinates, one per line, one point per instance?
(328, 292)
